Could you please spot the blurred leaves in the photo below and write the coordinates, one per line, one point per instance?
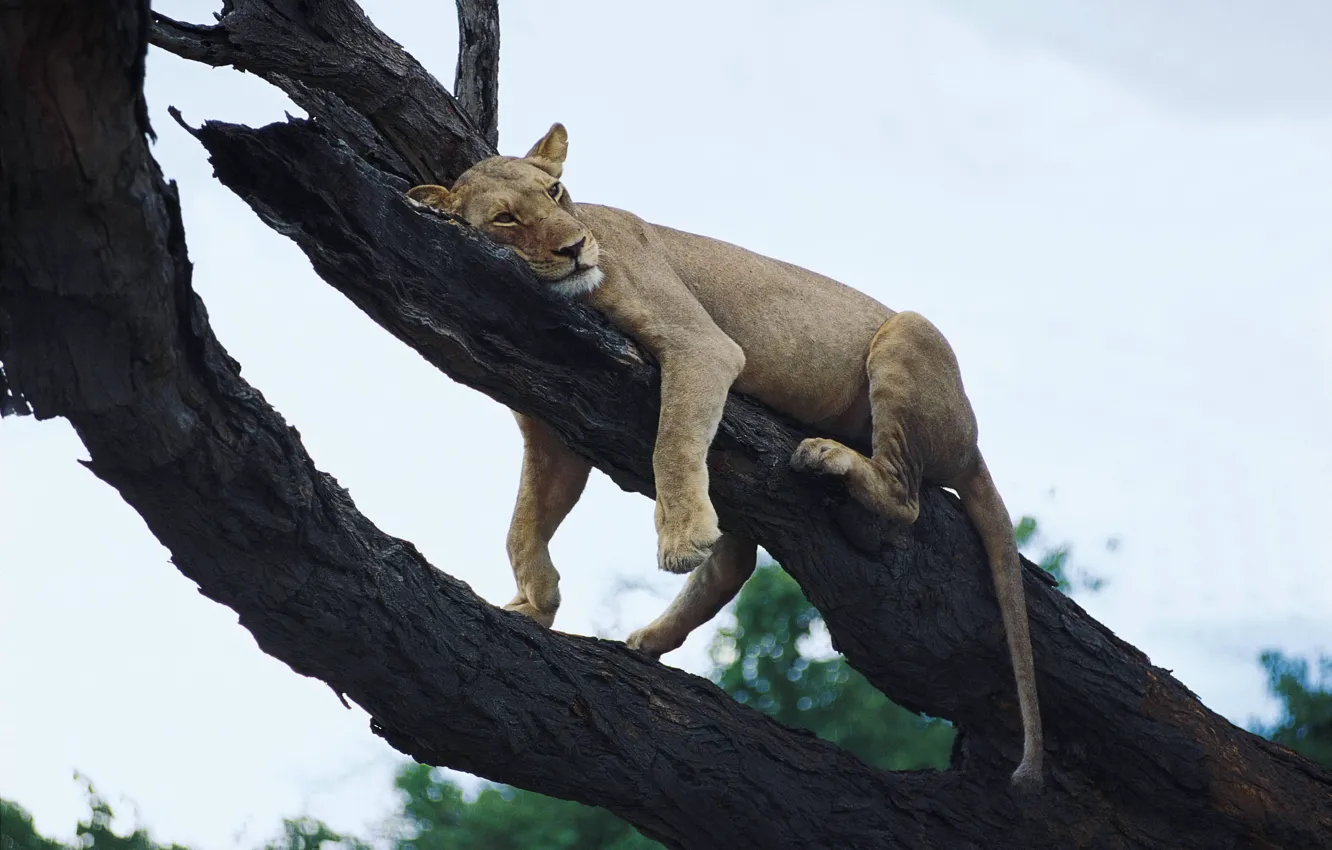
(93, 833)
(1305, 724)
(18, 833)
(768, 660)
(435, 816)
(1055, 559)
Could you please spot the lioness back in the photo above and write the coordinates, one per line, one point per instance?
(805, 336)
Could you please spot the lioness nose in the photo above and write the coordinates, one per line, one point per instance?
(571, 251)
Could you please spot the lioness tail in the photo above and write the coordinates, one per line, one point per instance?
(986, 510)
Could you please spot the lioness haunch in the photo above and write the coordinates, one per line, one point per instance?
(716, 316)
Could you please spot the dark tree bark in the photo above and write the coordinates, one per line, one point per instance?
(379, 98)
(476, 82)
(98, 323)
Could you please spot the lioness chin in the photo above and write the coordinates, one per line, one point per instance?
(718, 317)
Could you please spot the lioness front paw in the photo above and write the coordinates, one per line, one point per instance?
(822, 457)
(527, 609)
(649, 641)
(681, 552)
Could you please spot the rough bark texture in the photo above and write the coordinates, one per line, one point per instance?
(359, 72)
(98, 323)
(476, 82)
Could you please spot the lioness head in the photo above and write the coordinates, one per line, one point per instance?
(521, 203)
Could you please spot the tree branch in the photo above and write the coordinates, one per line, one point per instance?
(912, 609)
(360, 70)
(476, 82)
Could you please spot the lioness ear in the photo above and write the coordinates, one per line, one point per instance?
(549, 153)
(431, 196)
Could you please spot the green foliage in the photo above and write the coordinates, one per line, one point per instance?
(760, 662)
(307, 833)
(1306, 706)
(95, 833)
(18, 833)
(435, 817)
(1055, 559)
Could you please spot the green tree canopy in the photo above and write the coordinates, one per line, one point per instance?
(435, 816)
(18, 833)
(763, 660)
(94, 833)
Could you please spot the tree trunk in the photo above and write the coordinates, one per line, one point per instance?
(98, 323)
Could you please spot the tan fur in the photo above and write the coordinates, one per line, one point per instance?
(718, 317)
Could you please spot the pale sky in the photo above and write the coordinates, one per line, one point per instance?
(1117, 212)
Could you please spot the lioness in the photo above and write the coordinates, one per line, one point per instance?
(717, 316)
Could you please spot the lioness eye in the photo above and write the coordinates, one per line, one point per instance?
(555, 192)
(504, 218)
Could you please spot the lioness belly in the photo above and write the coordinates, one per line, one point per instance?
(805, 336)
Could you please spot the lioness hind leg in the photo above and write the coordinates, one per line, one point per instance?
(921, 413)
(920, 419)
(874, 482)
(708, 590)
(552, 480)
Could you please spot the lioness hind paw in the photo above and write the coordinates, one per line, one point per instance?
(822, 457)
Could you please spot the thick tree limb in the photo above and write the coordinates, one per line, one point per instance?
(1133, 749)
(476, 82)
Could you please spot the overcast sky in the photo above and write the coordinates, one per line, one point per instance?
(1118, 211)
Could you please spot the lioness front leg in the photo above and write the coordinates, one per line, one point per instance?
(706, 592)
(694, 383)
(552, 480)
